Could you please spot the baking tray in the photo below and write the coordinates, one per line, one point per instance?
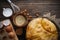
(33, 6)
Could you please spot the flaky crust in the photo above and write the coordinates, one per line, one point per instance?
(41, 29)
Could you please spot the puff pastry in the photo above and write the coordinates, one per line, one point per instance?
(41, 29)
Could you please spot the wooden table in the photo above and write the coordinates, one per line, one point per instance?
(33, 6)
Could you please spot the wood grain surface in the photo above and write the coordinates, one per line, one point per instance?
(33, 6)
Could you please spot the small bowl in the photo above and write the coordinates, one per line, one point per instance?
(7, 12)
(20, 20)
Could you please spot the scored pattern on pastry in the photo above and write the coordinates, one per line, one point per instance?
(41, 29)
